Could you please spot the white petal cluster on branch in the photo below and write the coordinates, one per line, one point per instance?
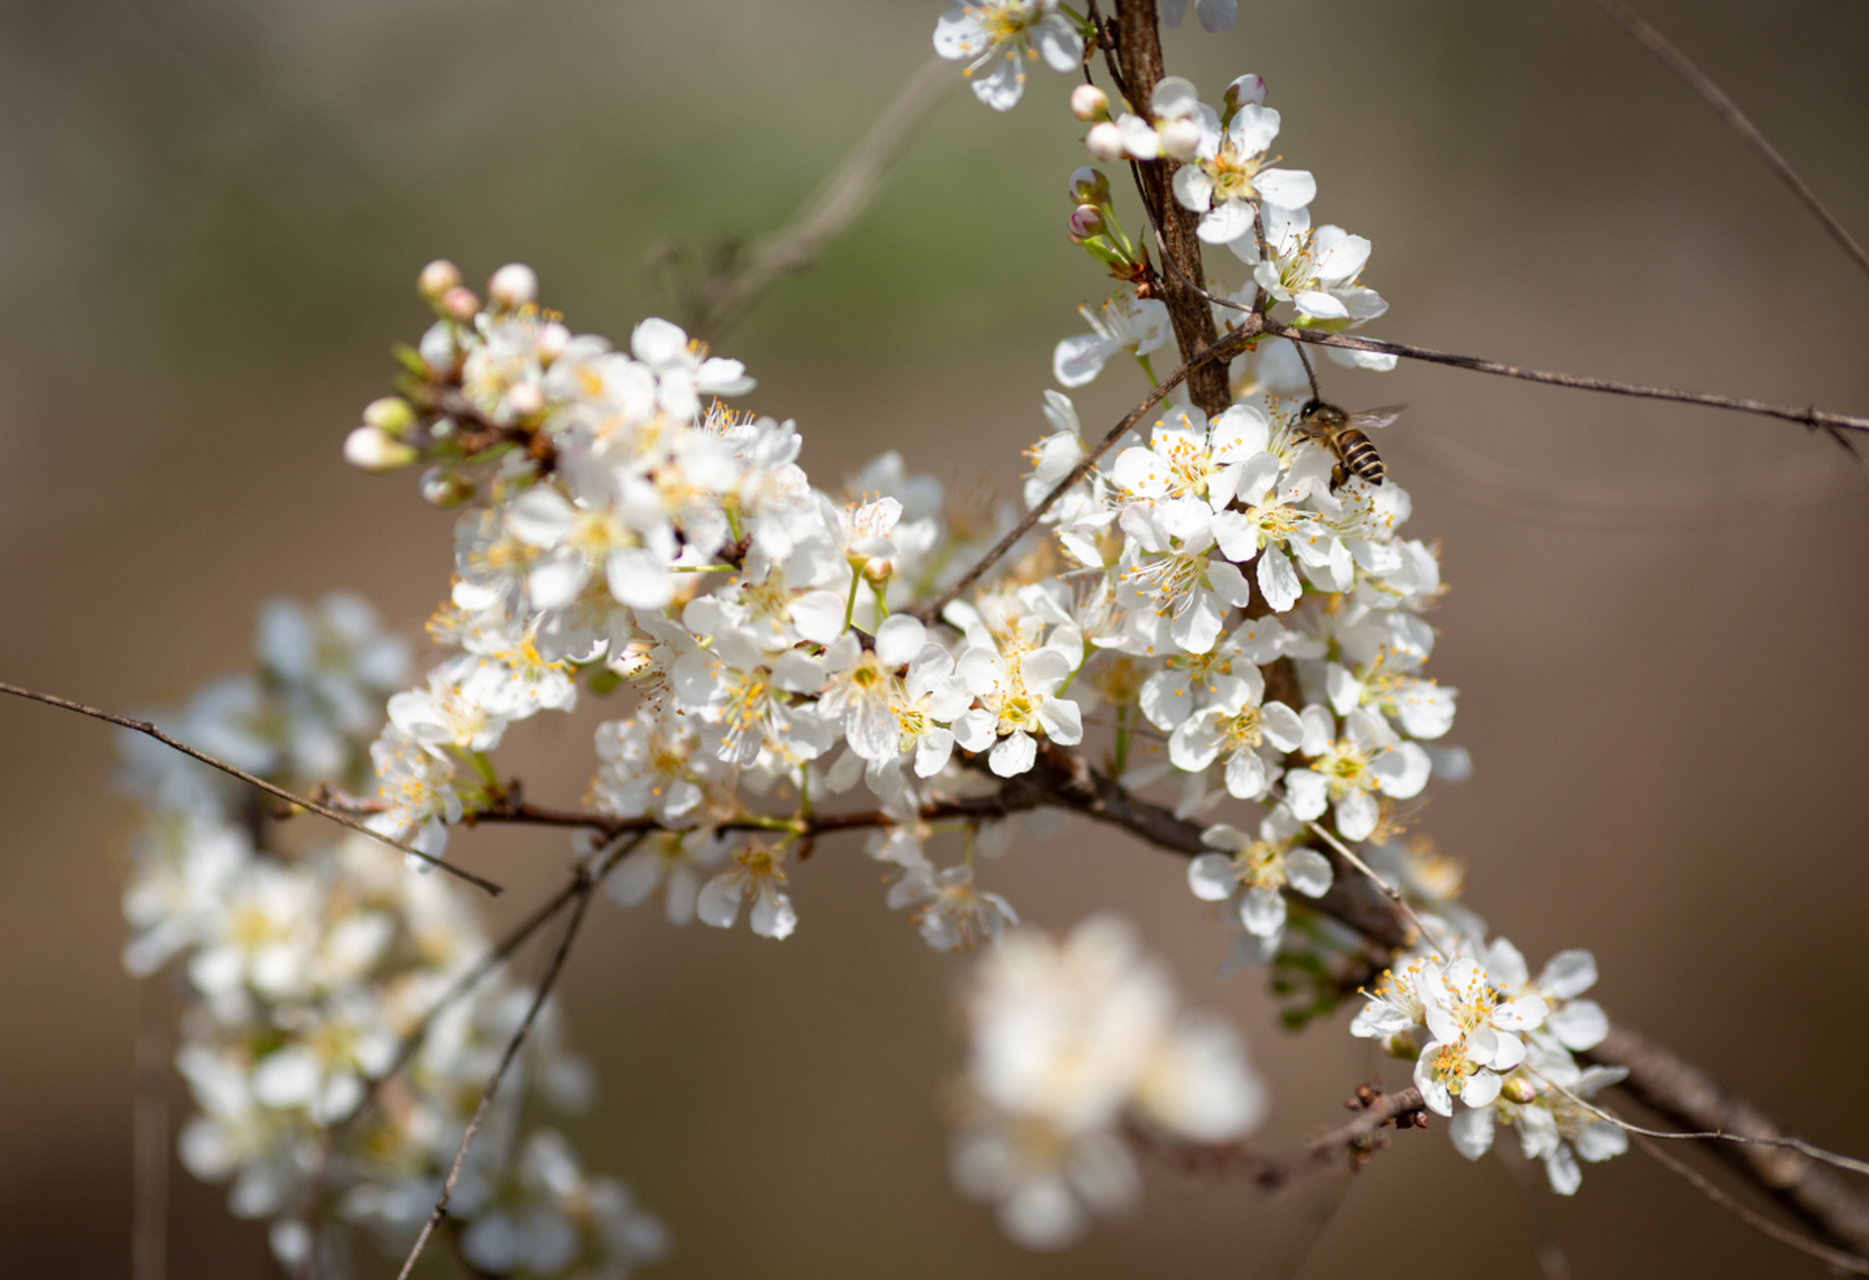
(312, 976)
(1223, 608)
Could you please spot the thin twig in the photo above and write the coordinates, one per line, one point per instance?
(1798, 1145)
(584, 886)
(724, 298)
(1728, 110)
(312, 806)
(1811, 417)
(1357, 1139)
(1757, 1221)
(1389, 891)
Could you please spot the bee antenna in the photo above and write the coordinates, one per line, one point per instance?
(1316, 395)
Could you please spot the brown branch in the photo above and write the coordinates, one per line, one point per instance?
(1671, 1087)
(584, 885)
(1757, 1221)
(1139, 53)
(311, 806)
(1356, 1141)
(1729, 111)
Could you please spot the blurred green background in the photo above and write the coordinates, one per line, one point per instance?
(211, 217)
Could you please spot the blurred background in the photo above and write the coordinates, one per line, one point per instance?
(212, 213)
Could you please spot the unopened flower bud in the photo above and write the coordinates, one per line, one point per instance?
(460, 304)
(1086, 221)
(445, 489)
(1090, 103)
(1247, 88)
(437, 278)
(1089, 186)
(1519, 1089)
(372, 449)
(1401, 1045)
(1104, 142)
(877, 573)
(392, 415)
(1181, 139)
(513, 286)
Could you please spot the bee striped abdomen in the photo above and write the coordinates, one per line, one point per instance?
(1360, 456)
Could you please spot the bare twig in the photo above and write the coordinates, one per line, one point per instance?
(584, 885)
(1729, 111)
(1820, 1198)
(1811, 417)
(1357, 1140)
(1757, 1221)
(311, 806)
(725, 297)
(1798, 1145)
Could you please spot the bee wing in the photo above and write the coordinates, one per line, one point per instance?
(1369, 419)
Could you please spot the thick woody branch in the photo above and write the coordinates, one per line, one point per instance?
(1139, 54)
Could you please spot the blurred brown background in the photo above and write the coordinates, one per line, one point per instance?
(211, 217)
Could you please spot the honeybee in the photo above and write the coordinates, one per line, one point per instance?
(1342, 434)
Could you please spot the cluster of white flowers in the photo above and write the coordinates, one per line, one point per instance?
(1238, 618)
(1480, 1028)
(1071, 1040)
(308, 973)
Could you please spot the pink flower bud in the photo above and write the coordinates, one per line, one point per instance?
(1089, 186)
(1086, 221)
(1181, 139)
(1518, 1089)
(1090, 103)
(513, 286)
(459, 303)
(437, 278)
(1104, 142)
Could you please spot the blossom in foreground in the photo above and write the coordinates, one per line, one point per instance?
(1122, 322)
(755, 877)
(1317, 271)
(1543, 1103)
(999, 37)
(1231, 176)
(1261, 867)
(1020, 691)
